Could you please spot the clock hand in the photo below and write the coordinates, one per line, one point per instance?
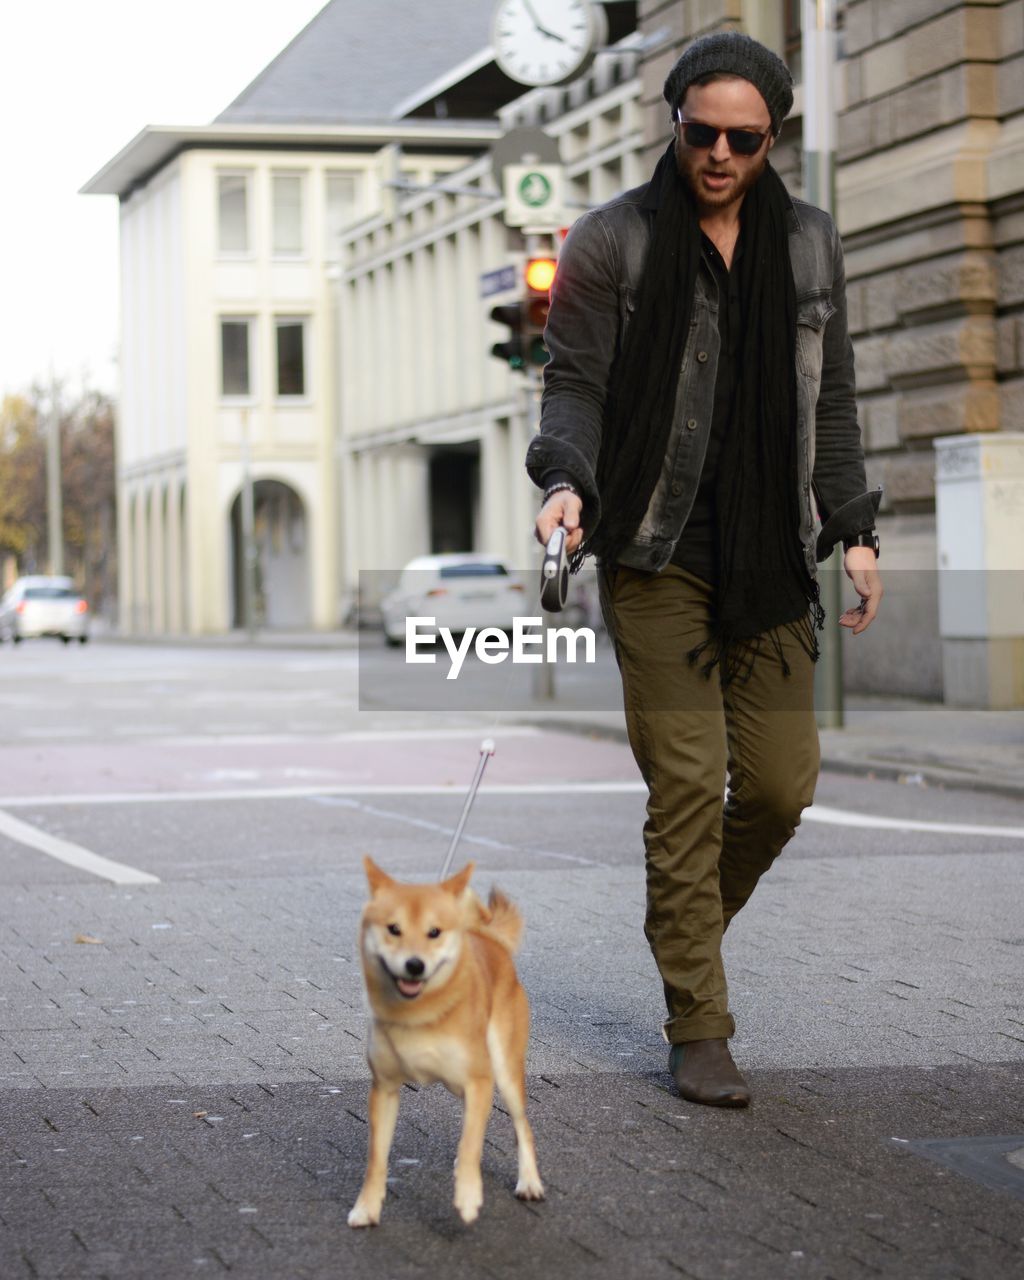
(551, 35)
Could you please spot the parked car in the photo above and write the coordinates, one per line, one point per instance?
(44, 606)
(461, 590)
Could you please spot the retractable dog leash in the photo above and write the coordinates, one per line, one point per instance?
(554, 588)
(486, 751)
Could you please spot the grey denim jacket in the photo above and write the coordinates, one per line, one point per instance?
(592, 302)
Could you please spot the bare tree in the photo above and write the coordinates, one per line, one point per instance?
(88, 485)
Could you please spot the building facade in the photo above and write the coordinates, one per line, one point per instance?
(341, 361)
(430, 423)
(229, 365)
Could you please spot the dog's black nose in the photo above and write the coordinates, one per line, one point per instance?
(414, 966)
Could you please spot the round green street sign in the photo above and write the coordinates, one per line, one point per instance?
(534, 189)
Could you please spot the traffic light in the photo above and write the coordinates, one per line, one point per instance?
(540, 273)
(513, 315)
(525, 319)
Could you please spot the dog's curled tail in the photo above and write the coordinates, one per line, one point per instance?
(505, 924)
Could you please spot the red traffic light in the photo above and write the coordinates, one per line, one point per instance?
(540, 272)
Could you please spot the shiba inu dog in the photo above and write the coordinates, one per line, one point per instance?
(446, 1005)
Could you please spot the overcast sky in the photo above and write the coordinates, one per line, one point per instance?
(79, 79)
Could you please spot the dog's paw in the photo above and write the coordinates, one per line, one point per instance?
(529, 1189)
(468, 1200)
(363, 1216)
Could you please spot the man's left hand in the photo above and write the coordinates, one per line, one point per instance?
(861, 567)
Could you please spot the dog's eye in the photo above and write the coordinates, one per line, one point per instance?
(434, 933)
(394, 930)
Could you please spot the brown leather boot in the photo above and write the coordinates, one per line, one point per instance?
(705, 1072)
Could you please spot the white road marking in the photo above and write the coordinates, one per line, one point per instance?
(845, 818)
(320, 735)
(817, 813)
(438, 828)
(72, 854)
(302, 793)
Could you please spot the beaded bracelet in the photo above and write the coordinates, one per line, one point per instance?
(558, 488)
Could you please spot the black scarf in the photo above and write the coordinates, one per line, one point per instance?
(763, 580)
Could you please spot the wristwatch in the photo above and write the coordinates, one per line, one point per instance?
(866, 539)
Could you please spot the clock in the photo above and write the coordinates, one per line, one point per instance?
(547, 41)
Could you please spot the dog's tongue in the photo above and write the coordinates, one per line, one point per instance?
(408, 988)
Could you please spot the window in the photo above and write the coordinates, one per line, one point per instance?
(291, 357)
(235, 377)
(344, 206)
(288, 237)
(233, 212)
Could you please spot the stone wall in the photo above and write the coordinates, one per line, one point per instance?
(930, 203)
(930, 184)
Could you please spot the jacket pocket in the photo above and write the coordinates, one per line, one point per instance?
(812, 314)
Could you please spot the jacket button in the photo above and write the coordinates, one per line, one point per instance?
(677, 489)
(702, 356)
(691, 424)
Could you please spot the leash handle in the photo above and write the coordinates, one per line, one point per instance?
(486, 751)
(554, 573)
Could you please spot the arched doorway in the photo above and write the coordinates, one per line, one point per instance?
(280, 575)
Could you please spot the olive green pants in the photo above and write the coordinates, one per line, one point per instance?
(706, 848)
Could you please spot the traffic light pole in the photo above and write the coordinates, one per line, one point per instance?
(543, 672)
(524, 352)
(538, 250)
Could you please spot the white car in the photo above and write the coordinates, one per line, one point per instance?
(458, 591)
(44, 606)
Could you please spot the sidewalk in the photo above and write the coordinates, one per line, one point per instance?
(918, 743)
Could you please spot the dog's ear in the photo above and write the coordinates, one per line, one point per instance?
(456, 885)
(377, 879)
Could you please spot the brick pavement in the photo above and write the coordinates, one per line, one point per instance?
(877, 997)
(810, 1182)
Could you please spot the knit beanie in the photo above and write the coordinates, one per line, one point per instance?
(739, 55)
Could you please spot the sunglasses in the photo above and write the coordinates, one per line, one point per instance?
(742, 142)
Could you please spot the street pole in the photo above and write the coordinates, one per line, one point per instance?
(544, 671)
(819, 143)
(248, 544)
(54, 494)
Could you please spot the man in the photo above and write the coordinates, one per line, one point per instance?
(700, 387)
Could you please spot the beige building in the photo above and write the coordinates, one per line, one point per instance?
(228, 360)
(229, 238)
(430, 424)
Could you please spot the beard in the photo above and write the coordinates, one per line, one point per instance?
(693, 165)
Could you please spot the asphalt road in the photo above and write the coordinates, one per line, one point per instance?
(182, 1074)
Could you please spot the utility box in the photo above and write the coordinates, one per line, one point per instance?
(979, 506)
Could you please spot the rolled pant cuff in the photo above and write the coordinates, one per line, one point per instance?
(682, 1030)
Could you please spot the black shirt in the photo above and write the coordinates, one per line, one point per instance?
(697, 549)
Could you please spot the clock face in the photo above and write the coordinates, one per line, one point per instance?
(545, 41)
